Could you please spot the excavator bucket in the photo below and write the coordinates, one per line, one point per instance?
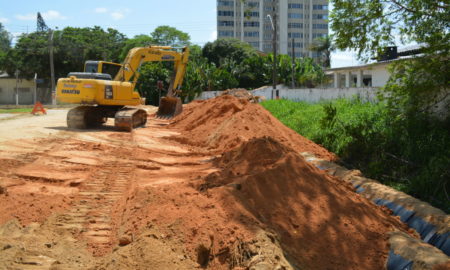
(169, 107)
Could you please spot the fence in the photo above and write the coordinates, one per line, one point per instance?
(311, 95)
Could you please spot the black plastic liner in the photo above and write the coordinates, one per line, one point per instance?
(397, 262)
(426, 230)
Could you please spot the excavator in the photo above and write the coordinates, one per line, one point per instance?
(107, 90)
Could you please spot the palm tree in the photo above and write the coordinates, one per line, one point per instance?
(324, 46)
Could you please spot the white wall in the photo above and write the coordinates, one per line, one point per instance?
(380, 75)
(7, 91)
(311, 95)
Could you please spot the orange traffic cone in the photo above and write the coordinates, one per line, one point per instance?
(38, 107)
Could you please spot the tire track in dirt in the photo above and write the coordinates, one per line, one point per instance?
(90, 217)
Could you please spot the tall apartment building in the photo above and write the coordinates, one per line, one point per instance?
(302, 20)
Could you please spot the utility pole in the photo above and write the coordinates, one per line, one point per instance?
(17, 85)
(275, 54)
(35, 88)
(293, 63)
(273, 21)
(52, 68)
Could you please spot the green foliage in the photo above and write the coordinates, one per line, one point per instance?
(369, 25)
(324, 46)
(417, 85)
(228, 49)
(151, 73)
(72, 47)
(5, 39)
(5, 45)
(136, 41)
(412, 155)
(170, 36)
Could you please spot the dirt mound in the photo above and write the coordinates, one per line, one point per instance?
(224, 122)
(322, 222)
(242, 94)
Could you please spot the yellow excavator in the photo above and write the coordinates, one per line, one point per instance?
(107, 90)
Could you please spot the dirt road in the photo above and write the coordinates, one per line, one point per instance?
(220, 187)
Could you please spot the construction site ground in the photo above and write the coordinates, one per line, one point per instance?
(222, 186)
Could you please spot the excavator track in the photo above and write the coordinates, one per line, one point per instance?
(83, 117)
(129, 118)
(126, 118)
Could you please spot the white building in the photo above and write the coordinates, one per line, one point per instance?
(301, 20)
(373, 74)
(370, 75)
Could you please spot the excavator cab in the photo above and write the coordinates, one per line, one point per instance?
(102, 67)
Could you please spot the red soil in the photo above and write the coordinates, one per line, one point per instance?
(322, 222)
(223, 123)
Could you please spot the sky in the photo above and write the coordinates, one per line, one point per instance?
(132, 17)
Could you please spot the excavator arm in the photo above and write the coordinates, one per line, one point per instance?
(137, 56)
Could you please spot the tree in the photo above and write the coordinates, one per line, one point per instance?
(41, 25)
(72, 47)
(324, 47)
(136, 41)
(369, 25)
(5, 45)
(170, 36)
(223, 50)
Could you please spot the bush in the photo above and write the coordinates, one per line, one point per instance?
(412, 155)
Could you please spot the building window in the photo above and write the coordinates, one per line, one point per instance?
(296, 45)
(295, 16)
(268, 36)
(254, 44)
(253, 4)
(226, 34)
(320, 7)
(251, 24)
(320, 26)
(293, 5)
(319, 35)
(251, 14)
(268, 46)
(320, 16)
(225, 13)
(295, 25)
(251, 34)
(295, 35)
(226, 23)
(222, 3)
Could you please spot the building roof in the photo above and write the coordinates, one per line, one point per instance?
(379, 63)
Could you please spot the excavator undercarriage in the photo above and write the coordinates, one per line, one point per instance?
(126, 117)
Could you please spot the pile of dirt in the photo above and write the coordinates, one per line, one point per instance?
(225, 122)
(322, 223)
(242, 94)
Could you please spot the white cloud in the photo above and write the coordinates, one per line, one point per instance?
(4, 20)
(47, 15)
(28, 17)
(117, 15)
(53, 15)
(101, 10)
(213, 35)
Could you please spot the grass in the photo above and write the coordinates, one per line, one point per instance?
(411, 155)
(16, 110)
